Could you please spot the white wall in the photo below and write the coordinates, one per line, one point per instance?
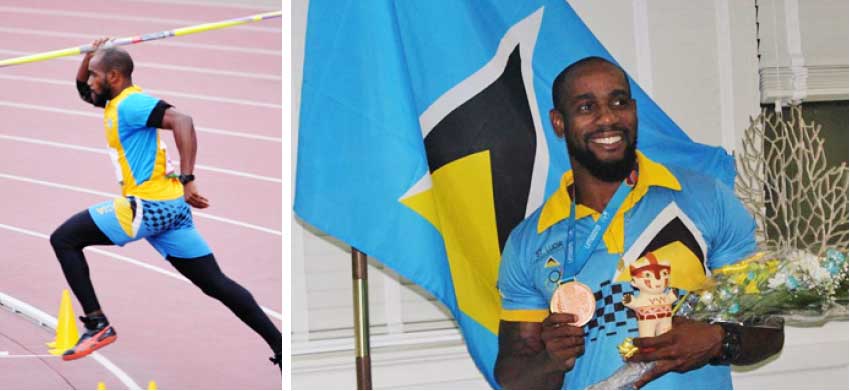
(699, 61)
(804, 46)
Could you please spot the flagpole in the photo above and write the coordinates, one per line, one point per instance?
(363, 361)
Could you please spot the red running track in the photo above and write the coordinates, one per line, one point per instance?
(53, 164)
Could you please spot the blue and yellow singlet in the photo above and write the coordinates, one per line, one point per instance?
(141, 162)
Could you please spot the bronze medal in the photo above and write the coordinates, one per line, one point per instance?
(574, 298)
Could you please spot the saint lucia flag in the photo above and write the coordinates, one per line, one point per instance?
(425, 139)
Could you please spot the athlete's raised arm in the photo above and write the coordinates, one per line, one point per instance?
(83, 72)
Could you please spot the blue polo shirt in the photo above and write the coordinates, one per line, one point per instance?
(691, 219)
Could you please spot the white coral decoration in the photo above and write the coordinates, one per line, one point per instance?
(784, 180)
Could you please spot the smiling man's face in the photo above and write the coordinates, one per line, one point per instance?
(599, 120)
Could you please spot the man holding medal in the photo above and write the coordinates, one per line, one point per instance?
(569, 257)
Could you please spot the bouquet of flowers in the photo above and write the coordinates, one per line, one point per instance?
(802, 288)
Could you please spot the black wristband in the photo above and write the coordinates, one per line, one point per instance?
(731, 349)
(184, 179)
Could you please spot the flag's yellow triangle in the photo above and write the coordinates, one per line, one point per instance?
(460, 204)
(686, 270)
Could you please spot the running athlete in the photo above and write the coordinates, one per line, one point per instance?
(154, 204)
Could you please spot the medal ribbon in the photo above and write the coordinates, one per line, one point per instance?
(575, 264)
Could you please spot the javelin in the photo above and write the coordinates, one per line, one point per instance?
(140, 38)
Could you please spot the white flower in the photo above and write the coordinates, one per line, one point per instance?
(778, 280)
(706, 297)
(808, 270)
(820, 275)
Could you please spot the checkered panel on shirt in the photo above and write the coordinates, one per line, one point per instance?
(162, 216)
(611, 315)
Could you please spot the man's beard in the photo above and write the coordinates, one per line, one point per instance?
(100, 99)
(607, 171)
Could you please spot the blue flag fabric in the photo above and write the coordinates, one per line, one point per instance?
(424, 137)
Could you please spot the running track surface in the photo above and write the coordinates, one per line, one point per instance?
(53, 164)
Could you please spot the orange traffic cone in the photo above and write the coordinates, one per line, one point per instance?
(66, 329)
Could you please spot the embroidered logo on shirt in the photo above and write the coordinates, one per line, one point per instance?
(548, 248)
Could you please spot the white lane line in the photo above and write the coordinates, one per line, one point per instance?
(237, 223)
(193, 69)
(127, 18)
(170, 67)
(122, 258)
(89, 37)
(18, 306)
(7, 355)
(100, 116)
(209, 71)
(104, 151)
(235, 4)
(112, 195)
(111, 367)
(235, 134)
(208, 98)
(238, 173)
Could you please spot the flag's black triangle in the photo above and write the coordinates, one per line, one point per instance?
(498, 119)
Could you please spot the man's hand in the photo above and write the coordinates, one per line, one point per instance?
(97, 43)
(563, 342)
(688, 345)
(192, 197)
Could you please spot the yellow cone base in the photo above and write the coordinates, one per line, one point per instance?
(66, 327)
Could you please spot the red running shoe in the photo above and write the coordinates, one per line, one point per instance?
(98, 334)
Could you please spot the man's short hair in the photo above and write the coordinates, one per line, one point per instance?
(117, 59)
(559, 85)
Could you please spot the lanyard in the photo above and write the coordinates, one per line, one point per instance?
(575, 264)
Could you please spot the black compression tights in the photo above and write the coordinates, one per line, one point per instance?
(68, 242)
(205, 273)
(80, 231)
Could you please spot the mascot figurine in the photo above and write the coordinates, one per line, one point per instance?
(653, 305)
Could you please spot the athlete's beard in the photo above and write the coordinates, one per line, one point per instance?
(607, 171)
(100, 99)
